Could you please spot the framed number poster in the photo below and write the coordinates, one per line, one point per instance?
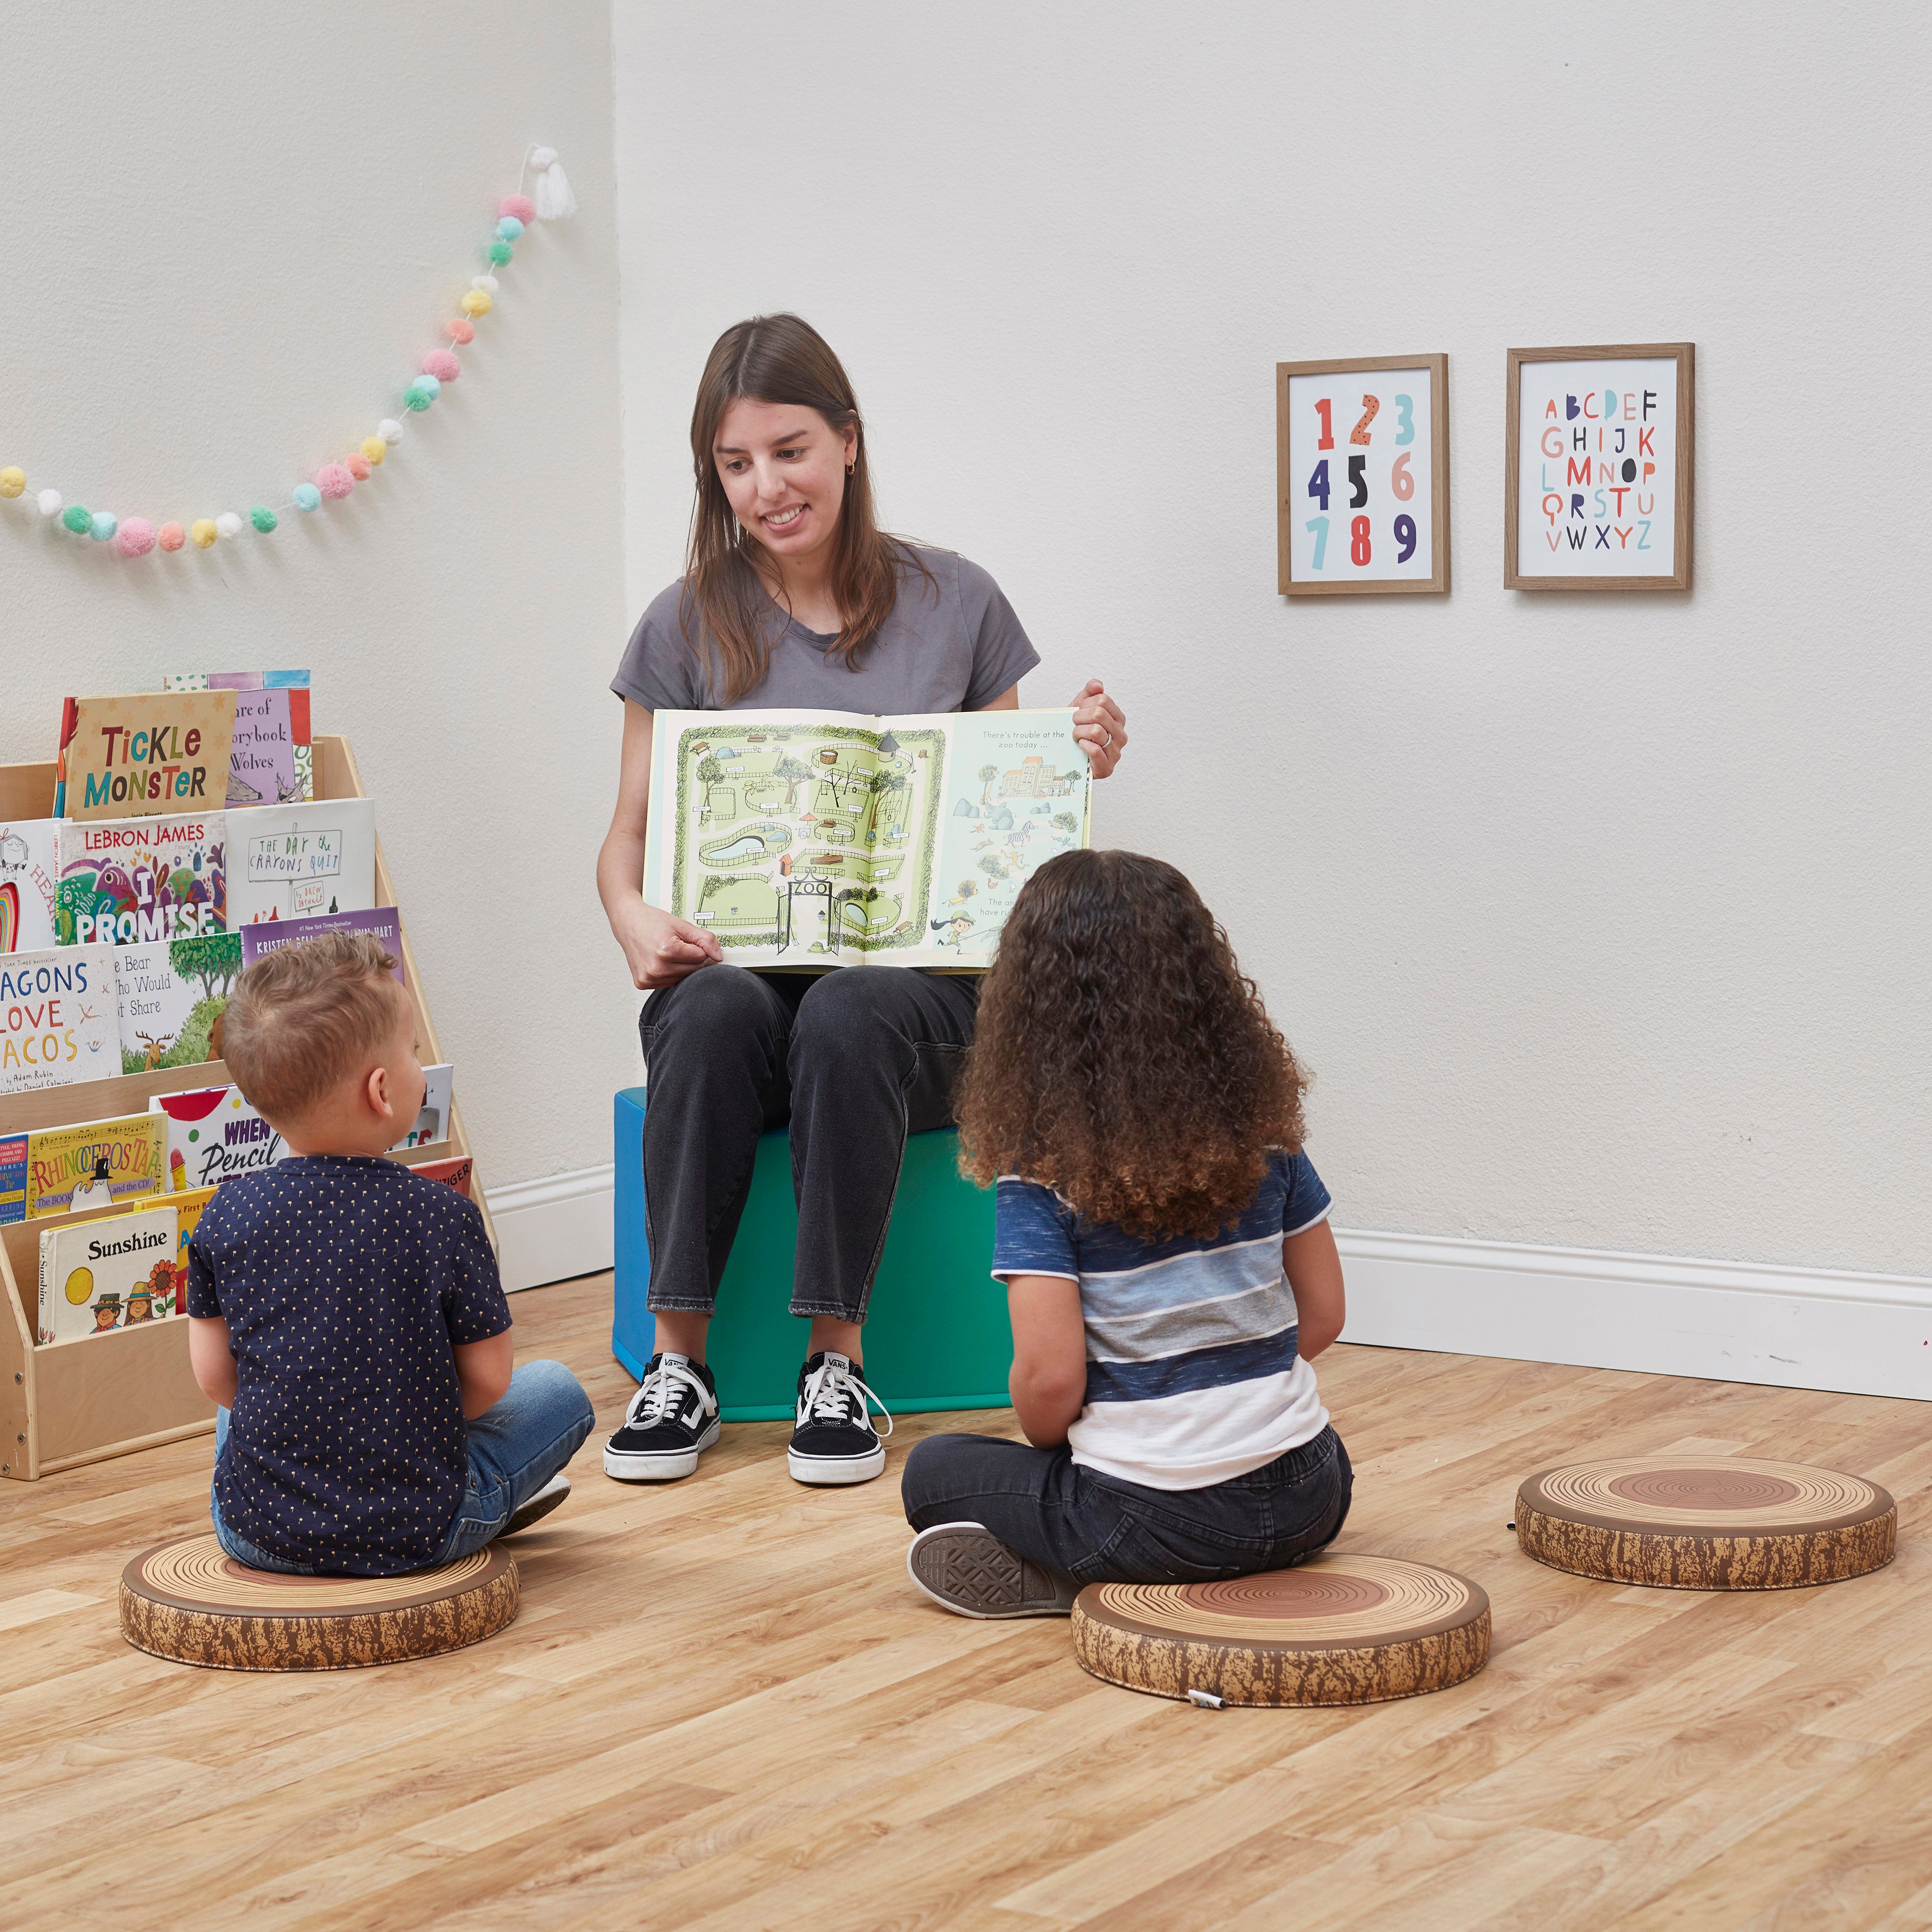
(1597, 482)
(1362, 460)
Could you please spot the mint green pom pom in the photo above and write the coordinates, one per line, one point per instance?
(501, 252)
(420, 394)
(307, 497)
(78, 520)
(509, 228)
(262, 517)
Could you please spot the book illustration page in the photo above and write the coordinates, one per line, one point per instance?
(808, 841)
(294, 862)
(1017, 796)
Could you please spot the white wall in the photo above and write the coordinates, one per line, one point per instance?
(1603, 919)
(229, 234)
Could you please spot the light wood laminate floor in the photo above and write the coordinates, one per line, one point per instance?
(723, 1707)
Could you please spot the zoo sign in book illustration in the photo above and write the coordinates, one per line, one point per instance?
(808, 839)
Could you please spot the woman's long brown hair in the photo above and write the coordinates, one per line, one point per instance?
(779, 359)
(1121, 1057)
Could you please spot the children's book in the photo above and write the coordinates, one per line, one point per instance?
(453, 1173)
(92, 1164)
(808, 839)
(125, 881)
(213, 1133)
(29, 866)
(235, 680)
(57, 1021)
(173, 993)
(118, 1271)
(294, 861)
(258, 941)
(144, 756)
(271, 762)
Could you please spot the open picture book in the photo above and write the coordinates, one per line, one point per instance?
(807, 838)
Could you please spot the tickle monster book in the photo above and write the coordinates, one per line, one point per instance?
(117, 1272)
(57, 1014)
(29, 864)
(123, 881)
(810, 839)
(92, 1164)
(144, 757)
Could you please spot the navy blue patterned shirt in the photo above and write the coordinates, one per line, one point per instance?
(345, 1281)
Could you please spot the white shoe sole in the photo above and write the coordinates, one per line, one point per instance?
(970, 1572)
(660, 1468)
(826, 1471)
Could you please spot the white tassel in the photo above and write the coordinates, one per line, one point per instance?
(553, 198)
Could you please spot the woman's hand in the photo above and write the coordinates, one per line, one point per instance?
(1101, 727)
(661, 948)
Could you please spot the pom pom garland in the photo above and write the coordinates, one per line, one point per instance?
(136, 536)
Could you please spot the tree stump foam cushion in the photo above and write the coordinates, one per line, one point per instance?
(1717, 1522)
(190, 1602)
(1341, 1629)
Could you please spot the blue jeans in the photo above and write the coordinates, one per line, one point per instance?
(515, 1448)
(1094, 1528)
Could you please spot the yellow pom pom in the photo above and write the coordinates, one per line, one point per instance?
(12, 480)
(203, 532)
(475, 303)
(374, 449)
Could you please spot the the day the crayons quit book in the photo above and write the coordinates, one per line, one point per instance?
(811, 839)
(118, 1271)
(296, 861)
(141, 757)
(29, 867)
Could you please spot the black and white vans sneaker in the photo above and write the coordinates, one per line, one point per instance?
(672, 1420)
(834, 1440)
(968, 1569)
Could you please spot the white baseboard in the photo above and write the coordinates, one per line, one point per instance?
(553, 1229)
(1793, 1327)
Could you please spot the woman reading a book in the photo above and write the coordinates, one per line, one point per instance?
(793, 598)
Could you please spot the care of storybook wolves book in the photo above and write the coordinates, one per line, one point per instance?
(804, 839)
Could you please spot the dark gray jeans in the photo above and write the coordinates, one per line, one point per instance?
(1044, 1506)
(856, 1059)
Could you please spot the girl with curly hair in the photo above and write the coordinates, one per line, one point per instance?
(1168, 1263)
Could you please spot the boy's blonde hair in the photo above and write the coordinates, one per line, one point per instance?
(302, 1018)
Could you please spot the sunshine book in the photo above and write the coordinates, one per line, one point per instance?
(126, 880)
(58, 1020)
(144, 756)
(111, 1163)
(29, 864)
(117, 1271)
(296, 861)
(810, 839)
(171, 994)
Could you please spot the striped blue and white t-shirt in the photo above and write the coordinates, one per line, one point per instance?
(1192, 1376)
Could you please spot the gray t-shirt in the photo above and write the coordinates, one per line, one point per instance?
(951, 645)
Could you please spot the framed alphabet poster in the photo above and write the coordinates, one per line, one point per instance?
(1597, 482)
(1362, 467)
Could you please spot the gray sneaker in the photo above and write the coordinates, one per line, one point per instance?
(965, 1567)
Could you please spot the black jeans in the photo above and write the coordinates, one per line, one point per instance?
(1044, 1506)
(857, 1059)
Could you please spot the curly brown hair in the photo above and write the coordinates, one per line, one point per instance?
(1122, 1057)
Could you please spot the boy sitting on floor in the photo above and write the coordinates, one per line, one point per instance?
(345, 1315)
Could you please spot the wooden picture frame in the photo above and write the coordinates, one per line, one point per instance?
(1586, 520)
(1356, 549)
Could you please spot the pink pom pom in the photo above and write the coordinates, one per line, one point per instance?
(461, 329)
(357, 466)
(173, 536)
(443, 366)
(520, 205)
(135, 537)
(332, 480)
